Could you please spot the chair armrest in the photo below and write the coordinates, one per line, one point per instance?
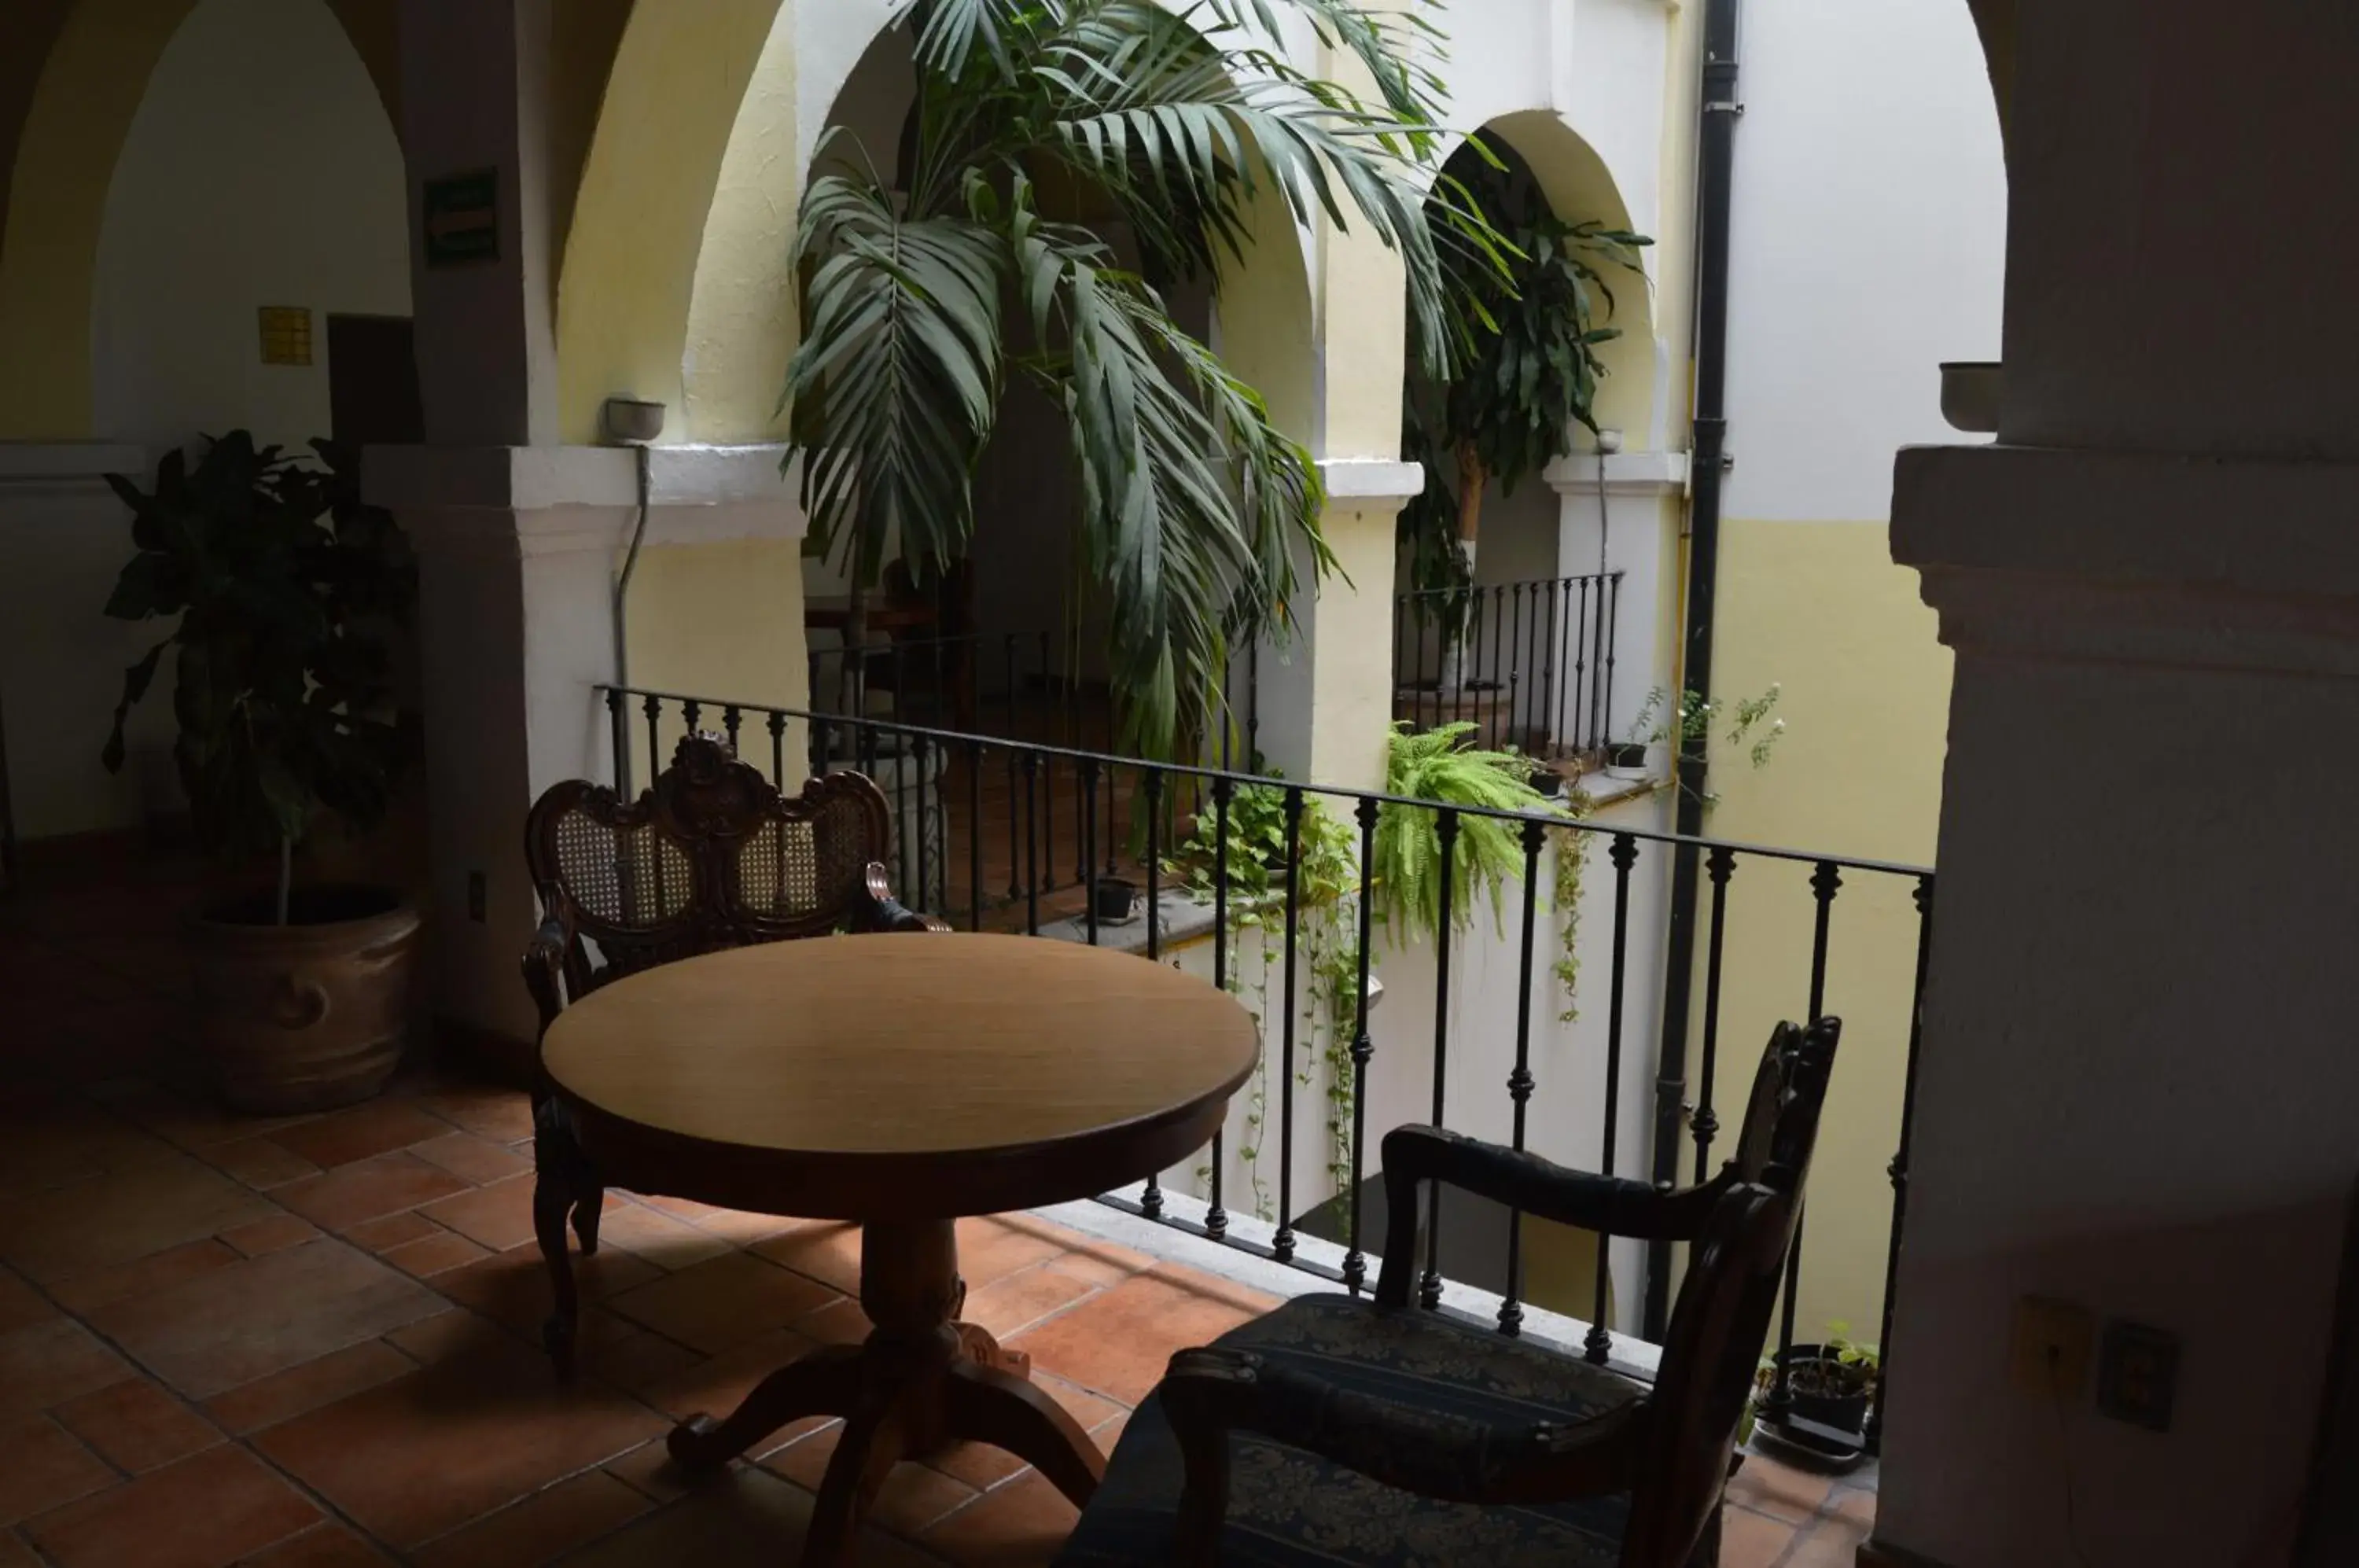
(1612, 1206)
(543, 967)
(1208, 1394)
(883, 912)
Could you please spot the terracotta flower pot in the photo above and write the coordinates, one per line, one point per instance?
(308, 1014)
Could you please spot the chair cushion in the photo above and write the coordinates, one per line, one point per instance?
(1290, 1510)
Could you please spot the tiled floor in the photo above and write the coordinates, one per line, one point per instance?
(308, 1344)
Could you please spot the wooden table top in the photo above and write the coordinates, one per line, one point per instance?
(899, 1076)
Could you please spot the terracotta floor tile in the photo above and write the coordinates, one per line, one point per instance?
(472, 1159)
(20, 1304)
(912, 1499)
(841, 1322)
(48, 1144)
(327, 1545)
(1101, 1263)
(724, 1302)
(1857, 1503)
(498, 1216)
(423, 1455)
(263, 1315)
(285, 1395)
(47, 1364)
(733, 1226)
(458, 1331)
(123, 1217)
(1832, 1542)
(378, 1128)
(1009, 1305)
(275, 1234)
(436, 1253)
(545, 1525)
(45, 1467)
(514, 1286)
(394, 1230)
(991, 1247)
(503, 1115)
(827, 1251)
(636, 1360)
(648, 1469)
(260, 1162)
(1118, 1342)
(745, 1518)
(666, 1242)
(85, 1293)
(714, 1386)
(1748, 1540)
(982, 1467)
(368, 1188)
(204, 1512)
(136, 1425)
(1244, 1298)
(1778, 1490)
(1019, 1525)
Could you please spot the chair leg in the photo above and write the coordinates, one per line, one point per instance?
(1707, 1549)
(550, 1200)
(588, 1206)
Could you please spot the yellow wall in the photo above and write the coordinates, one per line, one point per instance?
(1820, 609)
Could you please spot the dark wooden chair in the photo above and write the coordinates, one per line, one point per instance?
(711, 856)
(1338, 1430)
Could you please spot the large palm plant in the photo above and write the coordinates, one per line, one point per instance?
(923, 301)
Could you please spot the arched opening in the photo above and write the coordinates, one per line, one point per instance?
(259, 174)
(93, 65)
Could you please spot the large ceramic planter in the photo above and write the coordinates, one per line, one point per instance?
(308, 1014)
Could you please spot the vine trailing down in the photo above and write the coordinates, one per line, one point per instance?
(1436, 768)
(929, 288)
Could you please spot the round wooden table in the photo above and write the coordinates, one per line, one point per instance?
(901, 1080)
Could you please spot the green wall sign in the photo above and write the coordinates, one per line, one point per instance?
(462, 218)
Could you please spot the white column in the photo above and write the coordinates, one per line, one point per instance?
(2138, 1090)
(519, 549)
(1327, 693)
(1626, 522)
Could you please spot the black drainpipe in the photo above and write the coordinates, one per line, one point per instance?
(1716, 176)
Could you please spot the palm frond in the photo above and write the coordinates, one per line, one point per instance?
(896, 386)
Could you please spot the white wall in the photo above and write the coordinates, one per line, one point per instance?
(260, 169)
(1868, 245)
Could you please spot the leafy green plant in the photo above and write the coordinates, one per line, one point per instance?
(1437, 765)
(1753, 726)
(1509, 409)
(284, 584)
(927, 292)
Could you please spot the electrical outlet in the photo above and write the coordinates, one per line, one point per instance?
(2137, 1375)
(2050, 1353)
(478, 898)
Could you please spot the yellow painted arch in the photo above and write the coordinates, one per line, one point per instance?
(79, 114)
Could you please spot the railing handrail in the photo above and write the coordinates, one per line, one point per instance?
(1405, 596)
(1235, 778)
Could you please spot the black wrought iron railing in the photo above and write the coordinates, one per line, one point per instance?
(1506, 1033)
(1530, 664)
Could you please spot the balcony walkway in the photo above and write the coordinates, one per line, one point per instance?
(310, 1342)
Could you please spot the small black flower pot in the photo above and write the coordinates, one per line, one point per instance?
(1117, 898)
(1626, 758)
(1826, 1391)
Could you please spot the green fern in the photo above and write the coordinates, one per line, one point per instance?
(1437, 765)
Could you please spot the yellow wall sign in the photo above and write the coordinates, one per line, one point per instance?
(462, 218)
(286, 334)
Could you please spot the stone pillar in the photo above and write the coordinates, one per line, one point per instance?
(1624, 519)
(1326, 695)
(519, 549)
(474, 123)
(2138, 1091)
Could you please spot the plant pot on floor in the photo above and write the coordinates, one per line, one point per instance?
(307, 1016)
(1826, 1390)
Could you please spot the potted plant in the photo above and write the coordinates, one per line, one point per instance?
(283, 586)
(1832, 1384)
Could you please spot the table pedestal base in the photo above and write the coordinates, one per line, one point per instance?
(921, 1381)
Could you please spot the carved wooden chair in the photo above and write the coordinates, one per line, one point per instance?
(1337, 1430)
(711, 856)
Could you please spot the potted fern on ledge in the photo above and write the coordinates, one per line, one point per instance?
(285, 586)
